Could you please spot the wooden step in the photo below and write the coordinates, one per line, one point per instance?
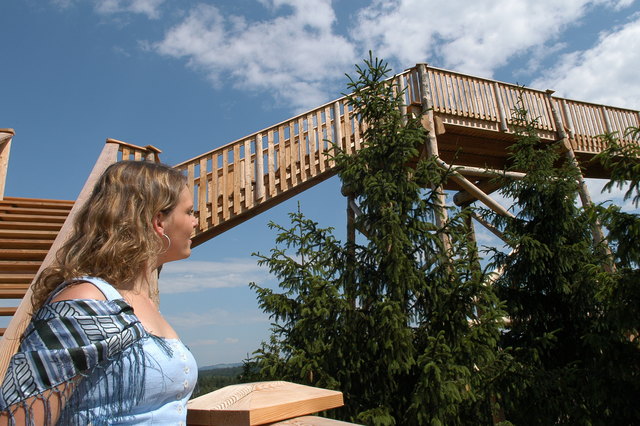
(7, 312)
(34, 211)
(12, 292)
(37, 203)
(17, 279)
(27, 234)
(4, 216)
(31, 226)
(15, 243)
(22, 254)
(17, 266)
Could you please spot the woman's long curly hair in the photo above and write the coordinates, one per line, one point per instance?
(113, 237)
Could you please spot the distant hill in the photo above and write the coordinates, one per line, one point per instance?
(219, 366)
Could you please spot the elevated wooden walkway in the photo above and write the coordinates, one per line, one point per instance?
(472, 119)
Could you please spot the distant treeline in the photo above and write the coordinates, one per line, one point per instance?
(211, 380)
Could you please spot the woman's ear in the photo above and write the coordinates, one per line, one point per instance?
(158, 223)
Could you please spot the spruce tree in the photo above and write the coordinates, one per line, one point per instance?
(407, 330)
(569, 331)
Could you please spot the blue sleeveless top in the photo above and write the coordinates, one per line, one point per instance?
(169, 378)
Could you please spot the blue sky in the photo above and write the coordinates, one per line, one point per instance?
(188, 76)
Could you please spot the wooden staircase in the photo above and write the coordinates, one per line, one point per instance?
(28, 227)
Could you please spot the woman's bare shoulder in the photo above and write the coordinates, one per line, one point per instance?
(79, 290)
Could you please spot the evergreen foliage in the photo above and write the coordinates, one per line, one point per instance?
(573, 322)
(407, 331)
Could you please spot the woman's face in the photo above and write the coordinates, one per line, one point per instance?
(178, 226)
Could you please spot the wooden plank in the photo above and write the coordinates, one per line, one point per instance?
(302, 143)
(348, 145)
(283, 159)
(356, 131)
(271, 163)
(294, 152)
(237, 178)
(337, 123)
(7, 312)
(16, 279)
(260, 403)
(191, 177)
(23, 254)
(226, 183)
(248, 175)
(25, 244)
(19, 265)
(11, 217)
(260, 189)
(311, 421)
(311, 135)
(27, 234)
(330, 135)
(33, 211)
(321, 142)
(202, 194)
(35, 226)
(214, 190)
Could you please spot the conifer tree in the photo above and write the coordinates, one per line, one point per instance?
(572, 320)
(406, 330)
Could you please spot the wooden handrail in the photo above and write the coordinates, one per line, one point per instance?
(113, 151)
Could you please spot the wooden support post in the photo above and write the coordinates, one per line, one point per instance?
(569, 120)
(432, 150)
(475, 191)
(502, 115)
(495, 231)
(6, 135)
(583, 191)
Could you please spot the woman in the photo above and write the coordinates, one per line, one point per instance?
(98, 351)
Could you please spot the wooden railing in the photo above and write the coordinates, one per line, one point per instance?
(245, 177)
(253, 173)
(467, 101)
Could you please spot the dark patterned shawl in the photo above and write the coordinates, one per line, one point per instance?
(70, 348)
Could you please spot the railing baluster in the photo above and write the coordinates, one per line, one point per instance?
(227, 185)
(213, 190)
(328, 125)
(202, 194)
(271, 160)
(248, 174)
(311, 135)
(283, 159)
(259, 188)
(302, 143)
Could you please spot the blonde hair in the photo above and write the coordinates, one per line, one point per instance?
(113, 237)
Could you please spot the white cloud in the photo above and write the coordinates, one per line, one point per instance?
(294, 56)
(150, 8)
(606, 73)
(188, 276)
(473, 37)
